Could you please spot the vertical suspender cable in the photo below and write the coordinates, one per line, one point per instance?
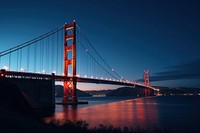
(57, 51)
(9, 60)
(79, 54)
(35, 57)
(50, 53)
(52, 48)
(86, 61)
(92, 67)
(91, 64)
(62, 50)
(28, 52)
(42, 57)
(17, 60)
(46, 44)
(0, 61)
(47, 55)
(20, 59)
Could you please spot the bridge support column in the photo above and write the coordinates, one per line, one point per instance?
(70, 46)
(147, 92)
(70, 90)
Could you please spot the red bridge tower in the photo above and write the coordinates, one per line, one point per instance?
(146, 83)
(70, 48)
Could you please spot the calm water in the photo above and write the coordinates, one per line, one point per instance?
(175, 112)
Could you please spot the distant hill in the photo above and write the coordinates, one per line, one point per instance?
(98, 92)
(126, 91)
(59, 92)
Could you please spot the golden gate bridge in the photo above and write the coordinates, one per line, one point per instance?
(64, 54)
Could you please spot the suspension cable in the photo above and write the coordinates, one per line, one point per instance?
(13, 49)
(98, 53)
(97, 61)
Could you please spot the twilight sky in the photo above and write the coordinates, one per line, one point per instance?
(131, 35)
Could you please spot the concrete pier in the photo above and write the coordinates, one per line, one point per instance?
(39, 93)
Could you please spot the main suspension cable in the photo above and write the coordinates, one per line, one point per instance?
(99, 54)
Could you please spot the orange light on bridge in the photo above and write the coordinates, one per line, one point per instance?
(6, 68)
(69, 84)
(22, 69)
(78, 75)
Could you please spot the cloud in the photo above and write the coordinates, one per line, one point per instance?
(189, 70)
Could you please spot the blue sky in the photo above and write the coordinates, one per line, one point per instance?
(131, 35)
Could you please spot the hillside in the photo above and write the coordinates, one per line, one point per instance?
(98, 92)
(59, 92)
(126, 91)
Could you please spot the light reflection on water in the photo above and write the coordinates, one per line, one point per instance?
(132, 113)
(179, 113)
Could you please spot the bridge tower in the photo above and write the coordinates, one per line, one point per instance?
(70, 48)
(146, 83)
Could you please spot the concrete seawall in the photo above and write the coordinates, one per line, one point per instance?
(39, 93)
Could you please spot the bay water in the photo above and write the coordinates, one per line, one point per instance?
(177, 113)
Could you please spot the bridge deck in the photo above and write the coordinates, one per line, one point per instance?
(29, 75)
